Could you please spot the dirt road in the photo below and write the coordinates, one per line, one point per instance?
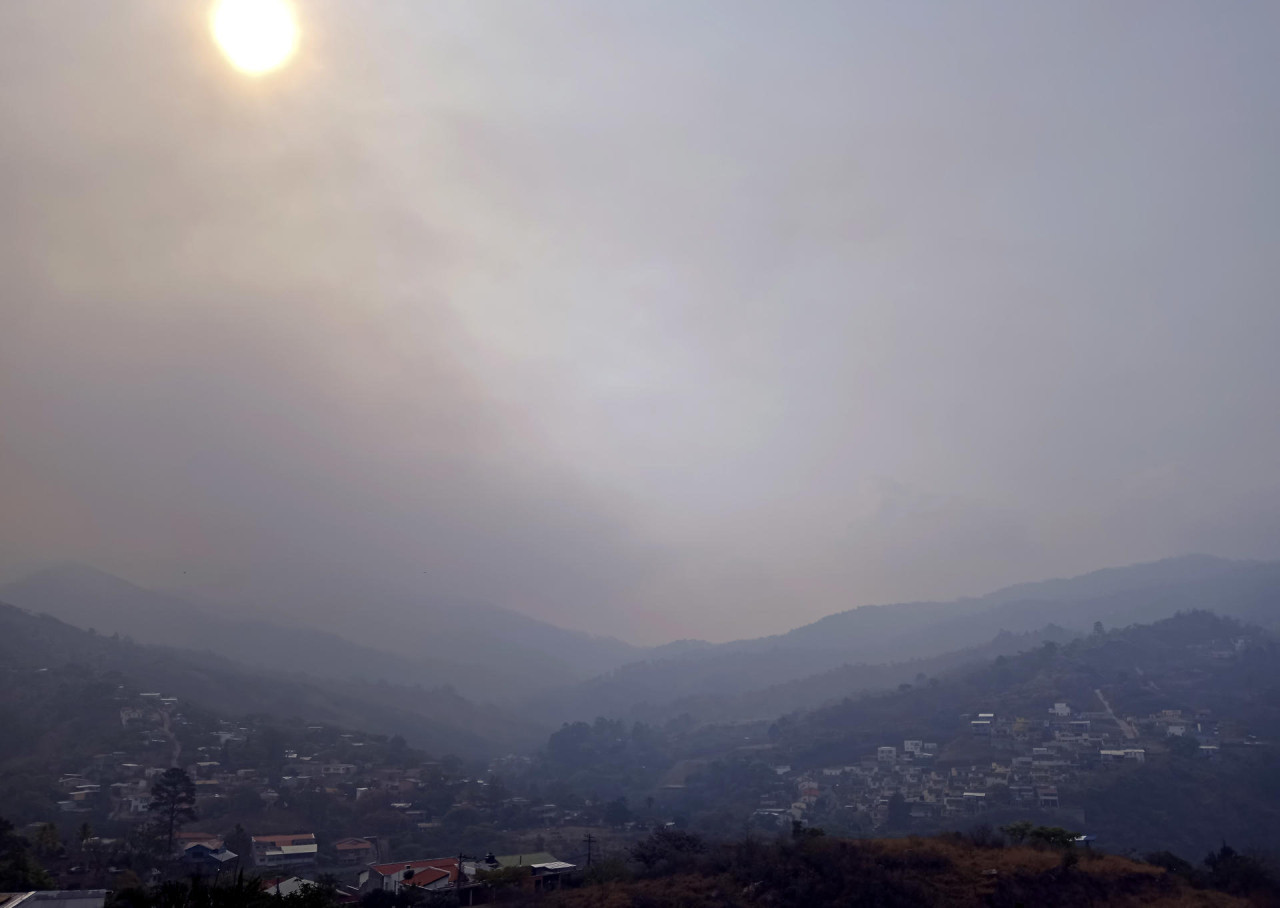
(1129, 731)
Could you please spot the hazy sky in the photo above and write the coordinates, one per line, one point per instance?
(653, 319)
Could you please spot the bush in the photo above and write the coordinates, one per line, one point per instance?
(1052, 837)
(668, 850)
(983, 836)
(1240, 874)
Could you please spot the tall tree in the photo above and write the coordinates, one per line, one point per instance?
(18, 871)
(48, 842)
(241, 844)
(173, 800)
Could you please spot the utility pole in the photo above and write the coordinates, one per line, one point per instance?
(590, 840)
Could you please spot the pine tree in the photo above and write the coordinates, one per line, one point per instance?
(173, 799)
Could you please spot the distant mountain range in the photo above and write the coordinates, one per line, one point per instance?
(486, 653)
(545, 674)
(847, 642)
(801, 693)
(438, 720)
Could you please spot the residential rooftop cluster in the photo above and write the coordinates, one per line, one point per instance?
(1035, 759)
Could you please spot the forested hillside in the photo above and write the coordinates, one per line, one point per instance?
(630, 692)
(438, 719)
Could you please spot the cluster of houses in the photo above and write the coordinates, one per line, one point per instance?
(1026, 763)
(118, 786)
(1037, 756)
(289, 862)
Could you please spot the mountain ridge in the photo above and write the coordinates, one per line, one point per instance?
(882, 634)
(437, 718)
(524, 653)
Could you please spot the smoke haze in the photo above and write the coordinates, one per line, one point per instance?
(652, 319)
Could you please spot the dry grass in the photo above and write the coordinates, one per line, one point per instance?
(971, 882)
(944, 872)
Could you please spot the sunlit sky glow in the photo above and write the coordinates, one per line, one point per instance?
(256, 35)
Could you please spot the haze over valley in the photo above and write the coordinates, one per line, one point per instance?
(734, 454)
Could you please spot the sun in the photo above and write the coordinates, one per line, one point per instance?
(256, 35)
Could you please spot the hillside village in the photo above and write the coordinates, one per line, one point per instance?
(1090, 735)
(295, 803)
(1040, 757)
(114, 791)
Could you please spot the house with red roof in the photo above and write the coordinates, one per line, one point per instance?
(427, 873)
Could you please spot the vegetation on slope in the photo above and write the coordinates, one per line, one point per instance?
(675, 869)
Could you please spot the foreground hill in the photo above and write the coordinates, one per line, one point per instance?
(878, 635)
(439, 719)
(521, 654)
(953, 871)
